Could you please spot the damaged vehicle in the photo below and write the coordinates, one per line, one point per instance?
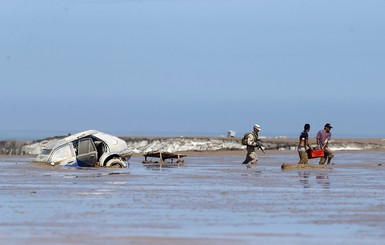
(89, 148)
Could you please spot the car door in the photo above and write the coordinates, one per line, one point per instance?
(63, 155)
(87, 155)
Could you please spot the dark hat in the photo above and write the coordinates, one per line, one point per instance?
(328, 125)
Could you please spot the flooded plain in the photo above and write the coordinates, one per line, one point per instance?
(210, 199)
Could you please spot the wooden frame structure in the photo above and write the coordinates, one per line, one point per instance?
(164, 157)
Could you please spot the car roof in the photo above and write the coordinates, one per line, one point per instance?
(70, 138)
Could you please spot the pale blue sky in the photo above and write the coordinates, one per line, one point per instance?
(202, 67)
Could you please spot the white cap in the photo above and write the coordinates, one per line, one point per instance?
(257, 126)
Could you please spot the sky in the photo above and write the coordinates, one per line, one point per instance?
(191, 67)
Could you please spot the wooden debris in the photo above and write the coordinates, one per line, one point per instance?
(289, 166)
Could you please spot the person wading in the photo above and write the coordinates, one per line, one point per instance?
(303, 145)
(323, 138)
(251, 140)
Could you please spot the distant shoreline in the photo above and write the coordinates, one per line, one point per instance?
(198, 145)
(30, 135)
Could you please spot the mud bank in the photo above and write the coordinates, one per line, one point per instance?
(210, 199)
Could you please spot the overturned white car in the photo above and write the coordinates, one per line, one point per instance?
(89, 148)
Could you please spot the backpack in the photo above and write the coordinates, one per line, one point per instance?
(244, 139)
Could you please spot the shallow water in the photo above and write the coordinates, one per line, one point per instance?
(208, 200)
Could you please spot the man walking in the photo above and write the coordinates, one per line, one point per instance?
(251, 141)
(323, 138)
(304, 144)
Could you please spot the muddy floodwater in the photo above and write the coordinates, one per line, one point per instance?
(211, 199)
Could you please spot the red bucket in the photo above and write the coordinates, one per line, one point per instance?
(315, 153)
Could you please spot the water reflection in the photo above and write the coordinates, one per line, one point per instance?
(252, 170)
(304, 178)
(321, 178)
(162, 166)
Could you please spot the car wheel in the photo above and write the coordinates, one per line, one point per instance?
(115, 163)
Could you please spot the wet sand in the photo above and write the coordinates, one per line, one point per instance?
(210, 199)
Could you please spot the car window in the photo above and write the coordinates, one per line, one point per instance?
(45, 151)
(61, 153)
(85, 146)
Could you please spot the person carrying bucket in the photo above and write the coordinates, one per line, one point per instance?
(323, 138)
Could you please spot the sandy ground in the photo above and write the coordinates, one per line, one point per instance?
(210, 199)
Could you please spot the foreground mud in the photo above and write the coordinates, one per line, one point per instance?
(210, 199)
